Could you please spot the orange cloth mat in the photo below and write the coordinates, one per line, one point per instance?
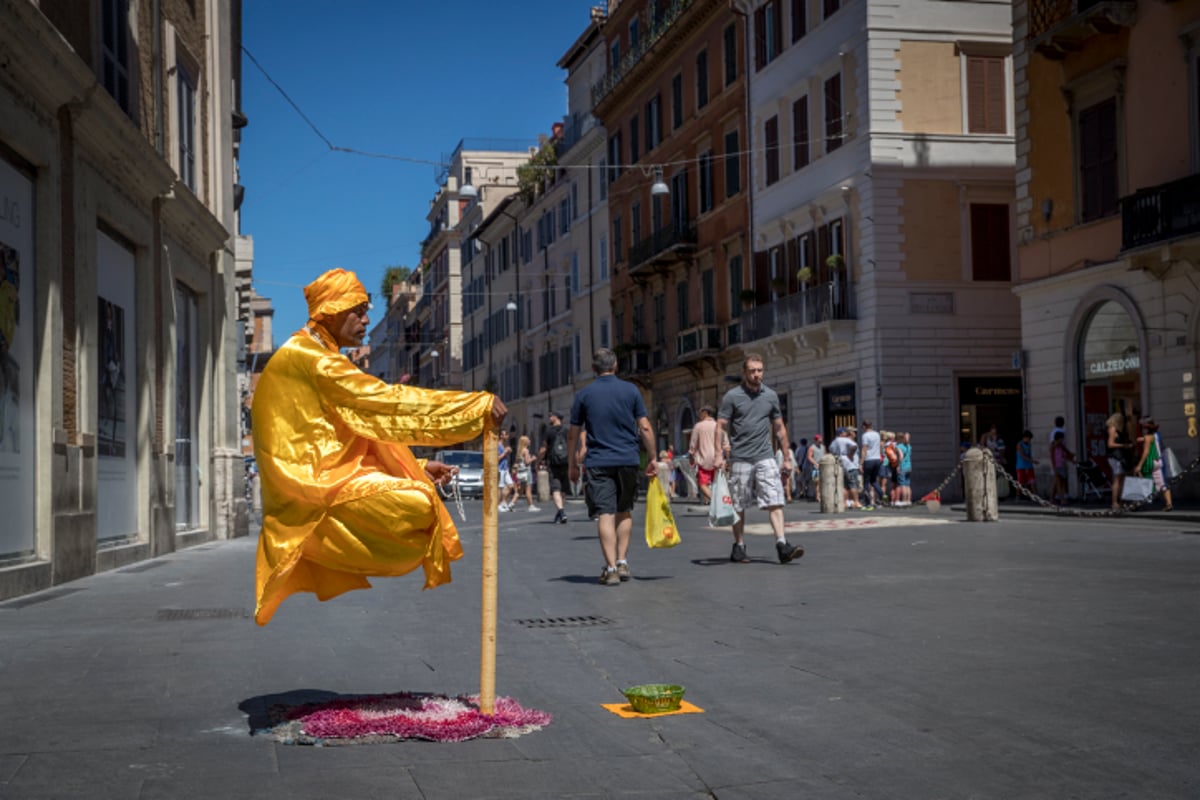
(626, 711)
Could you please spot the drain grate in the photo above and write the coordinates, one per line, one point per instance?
(50, 594)
(564, 622)
(176, 614)
(145, 565)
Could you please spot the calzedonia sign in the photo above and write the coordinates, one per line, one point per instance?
(1114, 366)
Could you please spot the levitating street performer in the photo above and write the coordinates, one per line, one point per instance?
(343, 497)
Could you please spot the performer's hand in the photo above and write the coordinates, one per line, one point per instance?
(440, 473)
(499, 411)
(651, 468)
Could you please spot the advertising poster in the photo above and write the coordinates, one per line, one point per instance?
(116, 412)
(17, 420)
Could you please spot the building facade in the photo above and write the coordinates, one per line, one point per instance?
(119, 404)
(673, 104)
(1108, 214)
(883, 250)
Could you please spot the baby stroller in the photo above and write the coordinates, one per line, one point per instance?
(1093, 480)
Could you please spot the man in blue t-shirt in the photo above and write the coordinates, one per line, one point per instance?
(751, 413)
(613, 415)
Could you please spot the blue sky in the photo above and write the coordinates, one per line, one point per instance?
(401, 78)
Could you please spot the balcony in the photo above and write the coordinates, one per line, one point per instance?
(665, 19)
(1161, 213)
(668, 245)
(1058, 27)
(633, 362)
(818, 307)
(697, 342)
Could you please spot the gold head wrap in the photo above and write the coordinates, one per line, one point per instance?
(333, 292)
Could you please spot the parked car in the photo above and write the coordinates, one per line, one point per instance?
(470, 472)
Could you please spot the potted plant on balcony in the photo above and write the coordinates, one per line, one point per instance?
(747, 296)
(804, 275)
(779, 286)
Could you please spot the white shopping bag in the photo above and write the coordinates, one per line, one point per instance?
(720, 509)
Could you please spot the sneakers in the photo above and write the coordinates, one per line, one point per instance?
(561, 517)
(609, 576)
(623, 571)
(504, 507)
(531, 509)
(738, 554)
(788, 552)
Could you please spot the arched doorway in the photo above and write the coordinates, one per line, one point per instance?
(1109, 372)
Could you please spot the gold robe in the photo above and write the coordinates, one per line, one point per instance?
(343, 496)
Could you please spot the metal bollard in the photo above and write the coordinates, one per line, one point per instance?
(979, 474)
(833, 496)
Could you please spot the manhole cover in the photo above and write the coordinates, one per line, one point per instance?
(564, 622)
(175, 614)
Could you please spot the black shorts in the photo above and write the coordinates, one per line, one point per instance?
(559, 482)
(611, 490)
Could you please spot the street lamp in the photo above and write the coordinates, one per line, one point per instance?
(659, 188)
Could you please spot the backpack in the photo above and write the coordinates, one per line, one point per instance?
(558, 450)
(893, 455)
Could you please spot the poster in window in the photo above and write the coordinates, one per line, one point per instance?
(110, 438)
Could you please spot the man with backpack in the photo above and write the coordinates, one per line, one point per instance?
(554, 454)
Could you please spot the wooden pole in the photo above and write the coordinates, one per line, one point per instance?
(491, 523)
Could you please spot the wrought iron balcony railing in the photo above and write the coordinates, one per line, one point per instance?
(697, 341)
(666, 18)
(1161, 213)
(1057, 26)
(669, 243)
(811, 306)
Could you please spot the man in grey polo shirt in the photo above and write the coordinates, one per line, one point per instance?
(750, 412)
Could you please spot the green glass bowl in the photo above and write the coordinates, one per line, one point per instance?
(654, 698)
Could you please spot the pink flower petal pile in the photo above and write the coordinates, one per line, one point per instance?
(405, 715)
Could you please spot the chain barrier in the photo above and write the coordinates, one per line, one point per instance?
(936, 494)
(1121, 510)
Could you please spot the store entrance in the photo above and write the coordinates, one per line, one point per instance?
(995, 400)
(839, 409)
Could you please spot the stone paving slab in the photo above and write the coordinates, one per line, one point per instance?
(920, 656)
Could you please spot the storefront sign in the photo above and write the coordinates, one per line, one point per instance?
(1114, 366)
(931, 302)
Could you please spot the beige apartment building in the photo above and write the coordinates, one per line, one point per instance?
(1108, 215)
(119, 337)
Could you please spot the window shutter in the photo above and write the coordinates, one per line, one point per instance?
(760, 37)
(986, 95)
(771, 134)
(800, 132)
(777, 12)
(799, 20)
(833, 113)
(976, 91)
(997, 121)
(990, 254)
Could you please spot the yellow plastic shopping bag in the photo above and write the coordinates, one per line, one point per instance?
(660, 522)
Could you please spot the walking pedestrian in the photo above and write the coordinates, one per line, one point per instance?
(751, 413)
(525, 462)
(1059, 457)
(344, 498)
(904, 471)
(613, 414)
(703, 451)
(871, 460)
(815, 454)
(1026, 477)
(1151, 463)
(506, 484)
(555, 455)
(846, 449)
(1119, 449)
